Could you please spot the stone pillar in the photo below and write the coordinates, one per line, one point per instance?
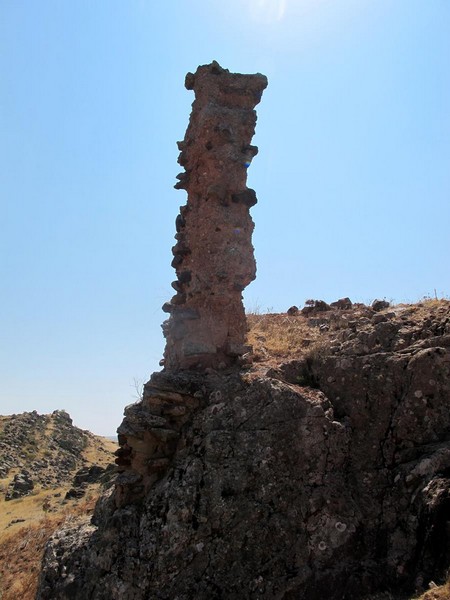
(213, 256)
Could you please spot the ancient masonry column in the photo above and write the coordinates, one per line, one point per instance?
(214, 262)
(213, 256)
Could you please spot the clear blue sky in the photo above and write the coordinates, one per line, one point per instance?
(353, 174)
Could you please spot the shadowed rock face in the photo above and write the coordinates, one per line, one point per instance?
(213, 256)
(278, 491)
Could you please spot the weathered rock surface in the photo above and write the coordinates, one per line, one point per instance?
(21, 485)
(213, 256)
(335, 490)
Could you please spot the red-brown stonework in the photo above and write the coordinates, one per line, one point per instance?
(213, 256)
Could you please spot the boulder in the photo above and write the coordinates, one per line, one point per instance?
(378, 305)
(21, 485)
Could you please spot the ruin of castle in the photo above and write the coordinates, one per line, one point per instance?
(323, 478)
(213, 256)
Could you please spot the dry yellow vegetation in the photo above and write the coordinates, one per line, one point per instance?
(27, 522)
(278, 336)
(441, 592)
(49, 501)
(21, 553)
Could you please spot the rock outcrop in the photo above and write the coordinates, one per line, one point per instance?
(326, 479)
(21, 485)
(213, 256)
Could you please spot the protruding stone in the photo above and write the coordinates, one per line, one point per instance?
(179, 223)
(247, 197)
(167, 307)
(378, 305)
(342, 304)
(189, 81)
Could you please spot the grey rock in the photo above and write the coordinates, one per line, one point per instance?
(21, 485)
(281, 491)
(378, 305)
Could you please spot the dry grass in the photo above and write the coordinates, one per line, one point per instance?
(100, 453)
(21, 553)
(441, 592)
(426, 306)
(31, 508)
(27, 523)
(279, 335)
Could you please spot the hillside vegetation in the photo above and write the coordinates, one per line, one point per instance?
(51, 472)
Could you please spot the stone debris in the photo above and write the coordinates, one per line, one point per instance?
(314, 306)
(342, 304)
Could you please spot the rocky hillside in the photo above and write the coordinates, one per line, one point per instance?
(319, 470)
(344, 328)
(50, 470)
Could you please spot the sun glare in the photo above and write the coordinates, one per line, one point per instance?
(268, 11)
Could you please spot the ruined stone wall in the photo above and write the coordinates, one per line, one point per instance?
(214, 262)
(213, 256)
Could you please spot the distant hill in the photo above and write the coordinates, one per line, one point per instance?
(50, 470)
